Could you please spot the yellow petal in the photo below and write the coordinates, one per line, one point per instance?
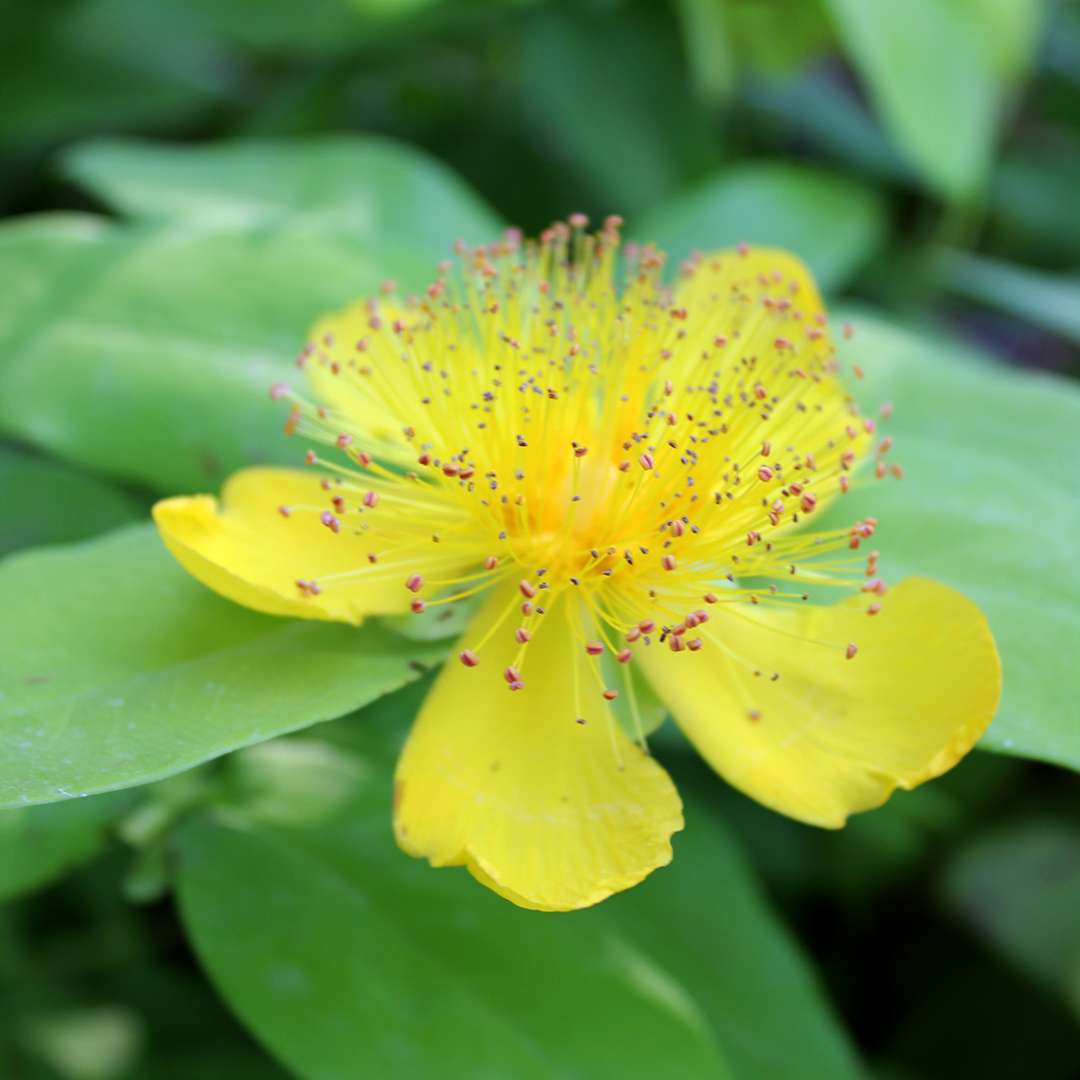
(789, 357)
(551, 814)
(832, 736)
(247, 551)
(368, 392)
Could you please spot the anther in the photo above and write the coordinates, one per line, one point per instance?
(414, 583)
(468, 658)
(594, 648)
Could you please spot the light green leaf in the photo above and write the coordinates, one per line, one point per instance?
(1011, 30)
(40, 843)
(48, 503)
(385, 967)
(708, 48)
(1050, 301)
(119, 669)
(734, 957)
(1019, 890)
(832, 222)
(355, 189)
(927, 67)
(360, 939)
(147, 353)
(979, 509)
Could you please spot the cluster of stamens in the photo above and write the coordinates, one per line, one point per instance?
(554, 414)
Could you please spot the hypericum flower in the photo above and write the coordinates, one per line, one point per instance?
(622, 473)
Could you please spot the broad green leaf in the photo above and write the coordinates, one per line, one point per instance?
(832, 222)
(147, 353)
(39, 843)
(1018, 889)
(360, 190)
(611, 99)
(1049, 301)
(48, 503)
(927, 67)
(979, 509)
(705, 919)
(385, 967)
(338, 975)
(179, 324)
(118, 669)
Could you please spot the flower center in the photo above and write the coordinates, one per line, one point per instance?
(554, 413)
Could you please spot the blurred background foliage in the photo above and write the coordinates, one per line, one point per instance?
(187, 182)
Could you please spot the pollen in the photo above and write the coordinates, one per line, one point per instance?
(563, 419)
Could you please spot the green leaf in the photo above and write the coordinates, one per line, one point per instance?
(832, 222)
(103, 64)
(361, 190)
(708, 47)
(40, 843)
(1032, 183)
(119, 669)
(1019, 890)
(977, 510)
(180, 333)
(1049, 301)
(925, 63)
(388, 967)
(48, 503)
(368, 960)
(611, 98)
(180, 324)
(1010, 29)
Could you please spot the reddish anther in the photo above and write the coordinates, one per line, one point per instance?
(468, 658)
(414, 583)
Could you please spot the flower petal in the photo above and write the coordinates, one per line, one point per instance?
(832, 736)
(551, 814)
(247, 551)
(363, 390)
(760, 307)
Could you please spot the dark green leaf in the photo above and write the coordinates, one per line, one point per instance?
(832, 222)
(978, 510)
(48, 503)
(39, 843)
(119, 669)
(612, 100)
(1049, 301)
(1019, 890)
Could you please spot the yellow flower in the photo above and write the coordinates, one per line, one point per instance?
(621, 474)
